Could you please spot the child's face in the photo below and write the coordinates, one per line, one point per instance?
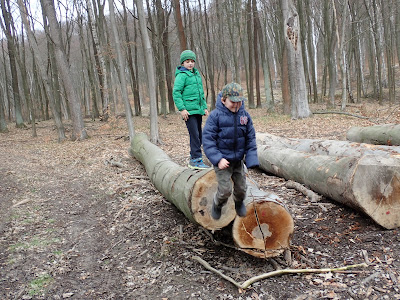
(188, 64)
(232, 106)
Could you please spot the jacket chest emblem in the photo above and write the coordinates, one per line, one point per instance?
(243, 120)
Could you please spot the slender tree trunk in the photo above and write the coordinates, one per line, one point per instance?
(148, 53)
(40, 66)
(178, 19)
(12, 53)
(99, 56)
(79, 131)
(311, 52)
(250, 38)
(3, 123)
(121, 68)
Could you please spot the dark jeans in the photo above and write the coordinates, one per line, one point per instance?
(193, 125)
(235, 172)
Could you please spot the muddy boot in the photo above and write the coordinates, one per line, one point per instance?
(216, 211)
(240, 209)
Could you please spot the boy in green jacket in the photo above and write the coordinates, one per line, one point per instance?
(189, 98)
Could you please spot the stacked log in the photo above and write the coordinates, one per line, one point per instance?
(361, 177)
(265, 231)
(387, 134)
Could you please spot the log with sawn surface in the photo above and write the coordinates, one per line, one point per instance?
(265, 231)
(369, 183)
(328, 147)
(387, 134)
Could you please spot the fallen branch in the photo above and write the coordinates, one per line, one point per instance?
(314, 197)
(250, 281)
(340, 113)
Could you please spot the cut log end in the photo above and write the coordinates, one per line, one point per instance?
(378, 194)
(201, 202)
(265, 231)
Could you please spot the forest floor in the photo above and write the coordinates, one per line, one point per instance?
(81, 220)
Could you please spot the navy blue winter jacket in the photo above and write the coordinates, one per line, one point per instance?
(230, 135)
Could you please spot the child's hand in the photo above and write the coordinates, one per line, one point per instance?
(185, 114)
(223, 164)
(206, 112)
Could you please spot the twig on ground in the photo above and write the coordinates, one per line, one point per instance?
(339, 113)
(22, 202)
(365, 256)
(250, 281)
(314, 197)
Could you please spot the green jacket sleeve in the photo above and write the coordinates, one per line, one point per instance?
(179, 85)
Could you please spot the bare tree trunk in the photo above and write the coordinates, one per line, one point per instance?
(148, 53)
(386, 8)
(121, 68)
(99, 56)
(79, 131)
(298, 90)
(311, 52)
(12, 53)
(341, 41)
(178, 19)
(250, 44)
(3, 123)
(40, 66)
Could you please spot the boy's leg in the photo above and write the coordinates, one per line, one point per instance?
(239, 187)
(192, 125)
(223, 192)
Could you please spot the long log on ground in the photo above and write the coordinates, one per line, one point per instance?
(328, 147)
(387, 134)
(370, 183)
(192, 192)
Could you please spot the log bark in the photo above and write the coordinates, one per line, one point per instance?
(368, 183)
(265, 231)
(328, 147)
(387, 134)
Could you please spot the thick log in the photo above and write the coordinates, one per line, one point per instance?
(189, 190)
(387, 134)
(192, 192)
(267, 228)
(368, 183)
(328, 147)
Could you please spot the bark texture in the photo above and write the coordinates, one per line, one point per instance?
(265, 231)
(368, 183)
(328, 147)
(387, 134)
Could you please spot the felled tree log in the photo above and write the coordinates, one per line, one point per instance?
(387, 134)
(192, 192)
(328, 147)
(369, 183)
(267, 228)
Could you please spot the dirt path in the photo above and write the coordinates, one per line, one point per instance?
(74, 225)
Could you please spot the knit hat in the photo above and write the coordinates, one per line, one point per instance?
(234, 91)
(187, 54)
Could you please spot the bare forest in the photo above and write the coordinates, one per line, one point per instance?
(80, 217)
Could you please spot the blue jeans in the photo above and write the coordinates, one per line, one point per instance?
(235, 171)
(193, 125)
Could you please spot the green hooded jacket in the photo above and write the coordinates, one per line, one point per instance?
(188, 91)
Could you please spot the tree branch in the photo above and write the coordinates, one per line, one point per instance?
(250, 281)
